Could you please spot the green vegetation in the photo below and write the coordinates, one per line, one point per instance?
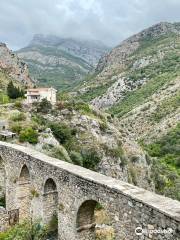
(4, 79)
(4, 98)
(44, 106)
(139, 96)
(60, 153)
(13, 91)
(18, 104)
(3, 201)
(90, 158)
(62, 132)
(26, 231)
(166, 163)
(63, 76)
(76, 158)
(166, 107)
(164, 54)
(29, 135)
(16, 127)
(95, 92)
(18, 117)
(78, 155)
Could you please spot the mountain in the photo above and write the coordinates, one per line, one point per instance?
(12, 69)
(61, 62)
(138, 82)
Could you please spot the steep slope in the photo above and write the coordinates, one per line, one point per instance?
(139, 60)
(12, 68)
(61, 62)
(83, 136)
(138, 82)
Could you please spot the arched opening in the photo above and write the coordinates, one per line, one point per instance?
(24, 194)
(2, 184)
(50, 206)
(93, 222)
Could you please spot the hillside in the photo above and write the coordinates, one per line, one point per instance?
(79, 134)
(138, 77)
(138, 82)
(61, 62)
(12, 69)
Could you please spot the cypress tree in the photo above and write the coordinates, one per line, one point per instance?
(14, 92)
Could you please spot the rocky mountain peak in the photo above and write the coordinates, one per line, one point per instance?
(88, 50)
(61, 62)
(119, 54)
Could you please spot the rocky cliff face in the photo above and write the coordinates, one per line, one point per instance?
(61, 62)
(14, 67)
(117, 58)
(133, 65)
(138, 83)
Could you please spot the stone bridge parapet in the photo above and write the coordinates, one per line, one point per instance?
(39, 186)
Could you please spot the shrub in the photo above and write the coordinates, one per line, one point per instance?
(61, 131)
(90, 158)
(18, 117)
(3, 98)
(61, 153)
(39, 119)
(98, 207)
(16, 128)
(76, 158)
(166, 164)
(34, 193)
(29, 135)
(60, 105)
(44, 106)
(83, 107)
(18, 104)
(25, 231)
(103, 126)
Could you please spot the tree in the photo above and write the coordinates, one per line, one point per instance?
(44, 106)
(14, 92)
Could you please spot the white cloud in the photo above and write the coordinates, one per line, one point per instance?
(108, 20)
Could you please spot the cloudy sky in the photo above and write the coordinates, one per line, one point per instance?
(107, 20)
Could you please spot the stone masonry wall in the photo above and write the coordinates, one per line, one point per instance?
(4, 219)
(128, 206)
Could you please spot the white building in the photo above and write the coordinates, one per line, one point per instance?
(37, 94)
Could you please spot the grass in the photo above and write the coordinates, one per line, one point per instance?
(94, 92)
(166, 163)
(166, 107)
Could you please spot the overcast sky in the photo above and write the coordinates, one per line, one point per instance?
(110, 21)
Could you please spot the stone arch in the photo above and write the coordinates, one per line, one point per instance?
(2, 183)
(24, 194)
(50, 205)
(93, 222)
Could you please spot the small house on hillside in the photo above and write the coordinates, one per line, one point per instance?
(37, 94)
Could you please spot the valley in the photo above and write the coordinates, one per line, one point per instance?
(116, 113)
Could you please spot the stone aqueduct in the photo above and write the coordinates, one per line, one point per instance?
(37, 185)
